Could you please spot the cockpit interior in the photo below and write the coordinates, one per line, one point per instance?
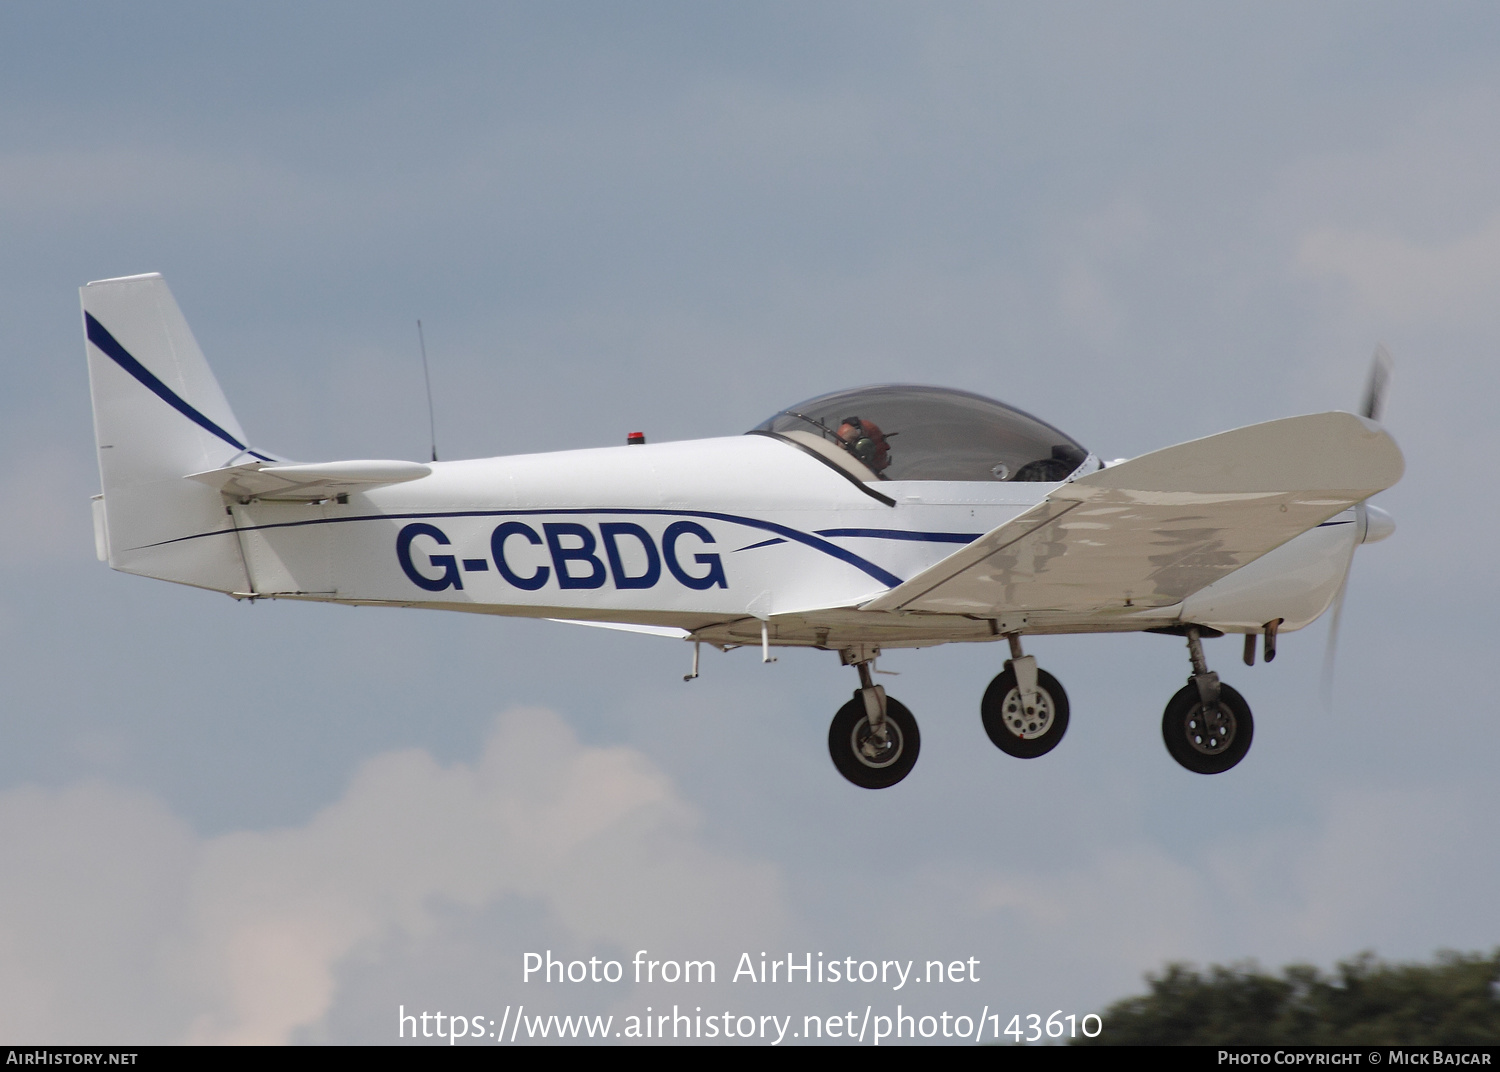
(911, 432)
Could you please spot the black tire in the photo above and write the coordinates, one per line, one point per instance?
(1201, 747)
(871, 767)
(1005, 722)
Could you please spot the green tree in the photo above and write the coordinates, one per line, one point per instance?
(1364, 1001)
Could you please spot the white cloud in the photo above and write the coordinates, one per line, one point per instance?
(423, 881)
(94, 881)
(1405, 282)
(116, 923)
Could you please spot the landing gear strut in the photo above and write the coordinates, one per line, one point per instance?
(1207, 726)
(874, 739)
(1025, 710)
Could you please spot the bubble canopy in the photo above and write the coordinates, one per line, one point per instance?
(911, 432)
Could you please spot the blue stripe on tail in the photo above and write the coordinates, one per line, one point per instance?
(99, 335)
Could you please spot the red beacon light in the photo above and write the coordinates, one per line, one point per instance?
(635, 439)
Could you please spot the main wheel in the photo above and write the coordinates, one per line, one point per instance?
(1025, 732)
(1212, 742)
(868, 759)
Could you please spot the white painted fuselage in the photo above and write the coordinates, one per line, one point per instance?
(709, 536)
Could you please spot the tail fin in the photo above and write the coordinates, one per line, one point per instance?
(159, 415)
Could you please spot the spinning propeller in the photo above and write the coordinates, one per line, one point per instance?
(1374, 523)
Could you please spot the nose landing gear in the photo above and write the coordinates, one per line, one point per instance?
(1025, 710)
(873, 739)
(1207, 725)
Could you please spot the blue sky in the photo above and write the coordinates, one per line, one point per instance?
(1143, 224)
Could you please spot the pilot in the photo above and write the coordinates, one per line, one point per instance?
(864, 439)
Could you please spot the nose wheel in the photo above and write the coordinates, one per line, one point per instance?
(1025, 710)
(1207, 725)
(873, 739)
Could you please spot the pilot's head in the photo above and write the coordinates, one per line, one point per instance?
(864, 439)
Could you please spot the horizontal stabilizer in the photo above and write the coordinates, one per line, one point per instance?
(1153, 530)
(295, 482)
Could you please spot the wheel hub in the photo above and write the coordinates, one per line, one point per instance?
(1210, 732)
(1026, 722)
(876, 748)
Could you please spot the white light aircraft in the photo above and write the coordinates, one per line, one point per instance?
(883, 517)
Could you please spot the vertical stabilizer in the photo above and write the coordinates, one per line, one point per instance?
(159, 415)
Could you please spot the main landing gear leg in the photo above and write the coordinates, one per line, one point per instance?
(873, 739)
(873, 698)
(1204, 679)
(1207, 726)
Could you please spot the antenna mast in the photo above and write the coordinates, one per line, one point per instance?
(427, 379)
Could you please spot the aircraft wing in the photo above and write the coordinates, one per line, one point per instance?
(307, 482)
(1153, 530)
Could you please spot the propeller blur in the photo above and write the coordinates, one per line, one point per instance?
(1374, 523)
